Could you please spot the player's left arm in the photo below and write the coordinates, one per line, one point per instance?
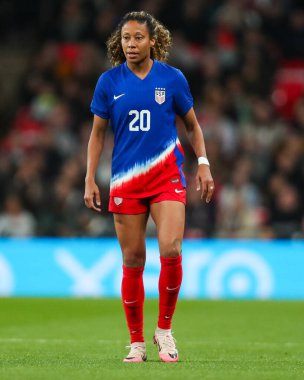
(204, 180)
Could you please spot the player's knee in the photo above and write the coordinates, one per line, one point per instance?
(133, 258)
(134, 262)
(171, 248)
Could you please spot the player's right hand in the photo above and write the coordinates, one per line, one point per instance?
(92, 196)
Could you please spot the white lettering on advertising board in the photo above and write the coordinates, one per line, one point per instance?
(6, 278)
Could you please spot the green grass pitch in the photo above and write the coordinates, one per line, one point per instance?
(50, 339)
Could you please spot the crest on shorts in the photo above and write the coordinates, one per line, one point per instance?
(160, 95)
(117, 201)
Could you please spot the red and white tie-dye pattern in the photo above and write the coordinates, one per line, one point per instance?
(151, 178)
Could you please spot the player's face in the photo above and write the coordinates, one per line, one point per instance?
(136, 42)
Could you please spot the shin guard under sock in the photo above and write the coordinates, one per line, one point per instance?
(132, 291)
(170, 280)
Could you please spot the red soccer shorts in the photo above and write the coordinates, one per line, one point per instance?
(120, 205)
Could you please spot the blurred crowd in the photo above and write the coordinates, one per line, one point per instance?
(244, 60)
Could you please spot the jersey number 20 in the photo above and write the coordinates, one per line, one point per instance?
(144, 119)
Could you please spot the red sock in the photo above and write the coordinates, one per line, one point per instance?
(132, 291)
(170, 280)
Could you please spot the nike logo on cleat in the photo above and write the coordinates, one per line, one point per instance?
(118, 96)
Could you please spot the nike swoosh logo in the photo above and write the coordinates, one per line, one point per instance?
(178, 191)
(172, 288)
(118, 96)
(128, 302)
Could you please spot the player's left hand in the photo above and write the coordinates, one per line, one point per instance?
(204, 182)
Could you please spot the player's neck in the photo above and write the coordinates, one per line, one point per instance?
(141, 69)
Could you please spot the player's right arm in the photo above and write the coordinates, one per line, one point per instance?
(92, 197)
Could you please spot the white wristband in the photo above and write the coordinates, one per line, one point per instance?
(203, 160)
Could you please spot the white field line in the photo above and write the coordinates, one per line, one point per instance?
(116, 341)
(60, 341)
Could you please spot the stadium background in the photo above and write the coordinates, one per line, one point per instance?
(244, 60)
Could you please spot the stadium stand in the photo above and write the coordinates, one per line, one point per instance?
(245, 64)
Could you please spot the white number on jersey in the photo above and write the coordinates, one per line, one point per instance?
(144, 119)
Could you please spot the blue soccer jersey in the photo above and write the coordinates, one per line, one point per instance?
(147, 153)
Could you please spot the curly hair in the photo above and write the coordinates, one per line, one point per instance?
(157, 30)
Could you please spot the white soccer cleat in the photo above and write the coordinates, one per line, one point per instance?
(137, 353)
(166, 346)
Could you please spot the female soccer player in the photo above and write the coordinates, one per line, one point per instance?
(141, 96)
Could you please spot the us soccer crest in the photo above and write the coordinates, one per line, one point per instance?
(160, 95)
(118, 201)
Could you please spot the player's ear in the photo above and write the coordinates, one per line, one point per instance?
(152, 42)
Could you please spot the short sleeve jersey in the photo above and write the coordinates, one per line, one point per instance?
(147, 154)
